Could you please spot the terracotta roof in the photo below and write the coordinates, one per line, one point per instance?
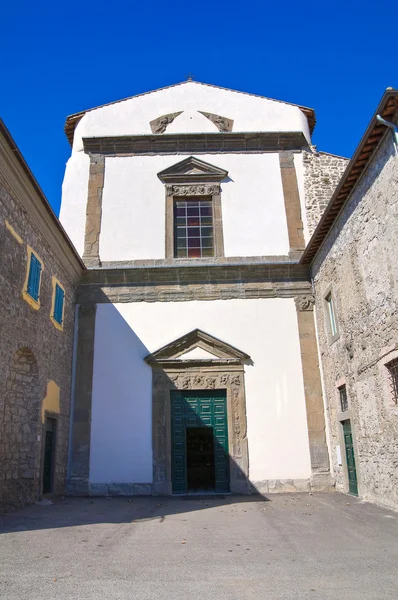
(363, 155)
(73, 120)
(24, 166)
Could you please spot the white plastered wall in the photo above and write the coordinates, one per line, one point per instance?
(133, 116)
(121, 449)
(133, 206)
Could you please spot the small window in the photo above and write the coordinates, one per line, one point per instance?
(393, 376)
(331, 314)
(33, 287)
(193, 228)
(343, 398)
(59, 304)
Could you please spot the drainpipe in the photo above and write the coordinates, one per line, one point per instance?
(394, 130)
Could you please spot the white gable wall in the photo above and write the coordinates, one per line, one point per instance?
(133, 206)
(132, 116)
(266, 329)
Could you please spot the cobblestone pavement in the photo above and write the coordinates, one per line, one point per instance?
(319, 546)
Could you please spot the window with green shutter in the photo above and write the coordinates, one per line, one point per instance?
(33, 287)
(59, 304)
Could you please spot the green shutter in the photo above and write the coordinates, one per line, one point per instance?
(34, 277)
(58, 303)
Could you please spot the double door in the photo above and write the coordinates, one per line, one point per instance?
(199, 436)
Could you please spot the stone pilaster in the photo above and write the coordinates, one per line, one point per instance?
(94, 211)
(292, 201)
(320, 467)
(81, 432)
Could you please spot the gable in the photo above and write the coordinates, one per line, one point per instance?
(186, 348)
(192, 168)
(214, 108)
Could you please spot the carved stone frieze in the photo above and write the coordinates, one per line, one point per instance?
(305, 302)
(222, 123)
(160, 124)
(193, 190)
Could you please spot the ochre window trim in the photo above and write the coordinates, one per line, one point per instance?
(57, 325)
(35, 304)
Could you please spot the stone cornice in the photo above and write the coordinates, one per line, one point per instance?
(199, 282)
(195, 143)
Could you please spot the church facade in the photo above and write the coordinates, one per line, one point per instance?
(196, 362)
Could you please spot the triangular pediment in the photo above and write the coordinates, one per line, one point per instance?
(186, 348)
(192, 169)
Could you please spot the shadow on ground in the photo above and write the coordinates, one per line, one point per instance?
(71, 512)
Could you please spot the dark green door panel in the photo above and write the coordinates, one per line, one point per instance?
(350, 458)
(199, 409)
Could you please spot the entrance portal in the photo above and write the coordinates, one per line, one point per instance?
(199, 432)
(200, 459)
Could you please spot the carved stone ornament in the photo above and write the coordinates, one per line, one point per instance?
(222, 123)
(304, 302)
(192, 190)
(160, 124)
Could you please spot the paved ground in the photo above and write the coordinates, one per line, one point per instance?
(321, 546)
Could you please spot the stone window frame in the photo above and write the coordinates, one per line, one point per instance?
(211, 192)
(189, 178)
(329, 292)
(387, 355)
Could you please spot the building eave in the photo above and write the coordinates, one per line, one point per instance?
(363, 155)
(78, 265)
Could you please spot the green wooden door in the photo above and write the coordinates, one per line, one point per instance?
(350, 457)
(199, 409)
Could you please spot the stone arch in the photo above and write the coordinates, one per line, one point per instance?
(21, 427)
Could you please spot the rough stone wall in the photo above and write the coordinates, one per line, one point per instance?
(32, 353)
(358, 261)
(322, 172)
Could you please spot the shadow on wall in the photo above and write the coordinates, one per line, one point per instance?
(190, 428)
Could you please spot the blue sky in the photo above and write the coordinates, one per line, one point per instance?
(59, 58)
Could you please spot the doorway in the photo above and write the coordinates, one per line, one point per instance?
(350, 458)
(49, 455)
(201, 472)
(199, 437)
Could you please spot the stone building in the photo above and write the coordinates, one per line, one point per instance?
(354, 268)
(39, 269)
(197, 363)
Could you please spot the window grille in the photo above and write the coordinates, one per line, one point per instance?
(343, 398)
(393, 374)
(193, 228)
